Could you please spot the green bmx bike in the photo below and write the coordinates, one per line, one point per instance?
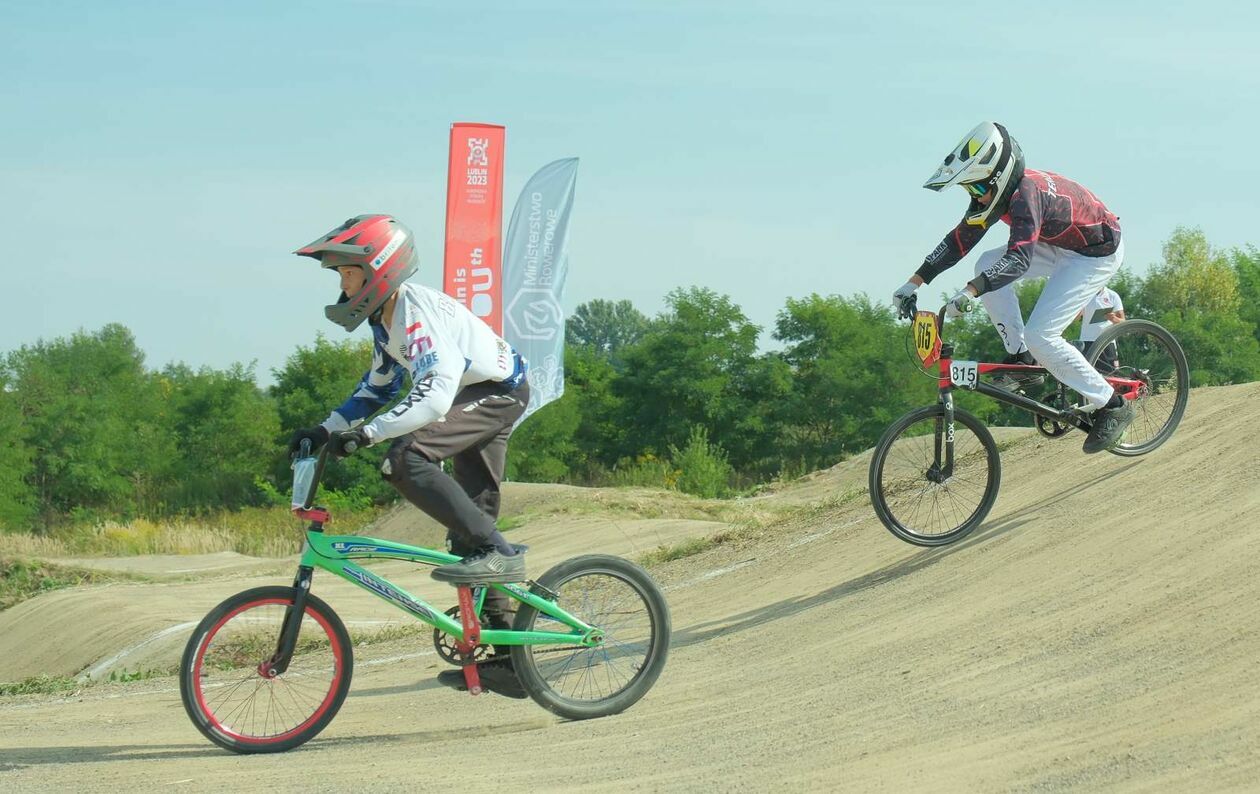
(268, 669)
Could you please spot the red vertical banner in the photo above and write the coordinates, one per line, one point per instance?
(474, 221)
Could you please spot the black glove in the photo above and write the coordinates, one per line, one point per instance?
(317, 435)
(347, 442)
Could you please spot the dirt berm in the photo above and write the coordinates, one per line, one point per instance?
(1099, 632)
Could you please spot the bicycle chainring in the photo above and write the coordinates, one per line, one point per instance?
(445, 645)
(1048, 427)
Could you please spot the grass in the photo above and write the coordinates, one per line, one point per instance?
(751, 526)
(508, 523)
(255, 531)
(41, 685)
(22, 579)
(687, 548)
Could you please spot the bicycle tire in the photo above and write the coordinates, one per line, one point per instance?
(286, 694)
(542, 670)
(898, 525)
(1131, 329)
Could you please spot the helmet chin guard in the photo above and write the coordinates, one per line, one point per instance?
(379, 244)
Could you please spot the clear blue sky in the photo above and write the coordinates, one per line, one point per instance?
(159, 161)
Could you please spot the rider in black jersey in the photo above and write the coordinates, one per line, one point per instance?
(1059, 229)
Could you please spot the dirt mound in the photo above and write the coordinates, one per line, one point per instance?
(171, 566)
(1097, 632)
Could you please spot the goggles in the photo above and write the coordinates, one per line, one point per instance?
(976, 189)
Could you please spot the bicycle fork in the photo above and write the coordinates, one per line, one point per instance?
(279, 661)
(942, 467)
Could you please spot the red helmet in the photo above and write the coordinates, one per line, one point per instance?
(381, 246)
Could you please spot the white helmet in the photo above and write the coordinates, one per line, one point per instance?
(988, 159)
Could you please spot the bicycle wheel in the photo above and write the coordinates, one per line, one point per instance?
(1144, 351)
(233, 703)
(913, 498)
(621, 600)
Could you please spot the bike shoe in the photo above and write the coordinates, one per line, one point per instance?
(1108, 427)
(497, 675)
(485, 566)
(1015, 380)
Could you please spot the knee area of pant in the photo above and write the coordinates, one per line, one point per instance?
(1040, 344)
(407, 464)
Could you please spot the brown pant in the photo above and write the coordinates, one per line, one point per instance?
(473, 435)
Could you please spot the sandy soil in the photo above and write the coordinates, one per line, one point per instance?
(1099, 632)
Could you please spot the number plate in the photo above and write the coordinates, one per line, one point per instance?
(964, 374)
(927, 341)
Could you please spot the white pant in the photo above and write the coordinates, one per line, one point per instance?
(1073, 281)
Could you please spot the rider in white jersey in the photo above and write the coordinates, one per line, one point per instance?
(468, 388)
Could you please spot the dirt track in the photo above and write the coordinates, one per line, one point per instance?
(1100, 631)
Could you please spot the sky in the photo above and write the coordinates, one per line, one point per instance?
(160, 161)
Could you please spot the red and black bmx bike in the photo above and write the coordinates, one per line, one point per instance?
(935, 472)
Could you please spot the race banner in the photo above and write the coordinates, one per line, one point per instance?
(535, 263)
(474, 220)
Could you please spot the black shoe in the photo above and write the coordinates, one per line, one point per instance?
(1015, 380)
(497, 675)
(1107, 427)
(485, 566)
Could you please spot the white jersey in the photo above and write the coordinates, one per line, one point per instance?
(1094, 316)
(442, 347)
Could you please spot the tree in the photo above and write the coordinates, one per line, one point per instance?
(226, 429)
(692, 367)
(605, 326)
(93, 421)
(1195, 293)
(1193, 277)
(1246, 265)
(576, 437)
(17, 500)
(851, 376)
(313, 381)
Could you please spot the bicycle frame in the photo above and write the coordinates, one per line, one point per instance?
(336, 553)
(956, 373)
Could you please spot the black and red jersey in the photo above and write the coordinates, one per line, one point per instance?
(1045, 208)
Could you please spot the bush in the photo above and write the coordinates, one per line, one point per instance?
(645, 471)
(703, 469)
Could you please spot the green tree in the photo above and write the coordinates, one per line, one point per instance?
(574, 438)
(94, 424)
(17, 500)
(1246, 266)
(313, 381)
(226, 430)
(542, 449)
(1195, 293)
(605, 326)
(692, 368)
(852, 375)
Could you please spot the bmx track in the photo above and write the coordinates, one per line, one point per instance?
(1099, 632)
